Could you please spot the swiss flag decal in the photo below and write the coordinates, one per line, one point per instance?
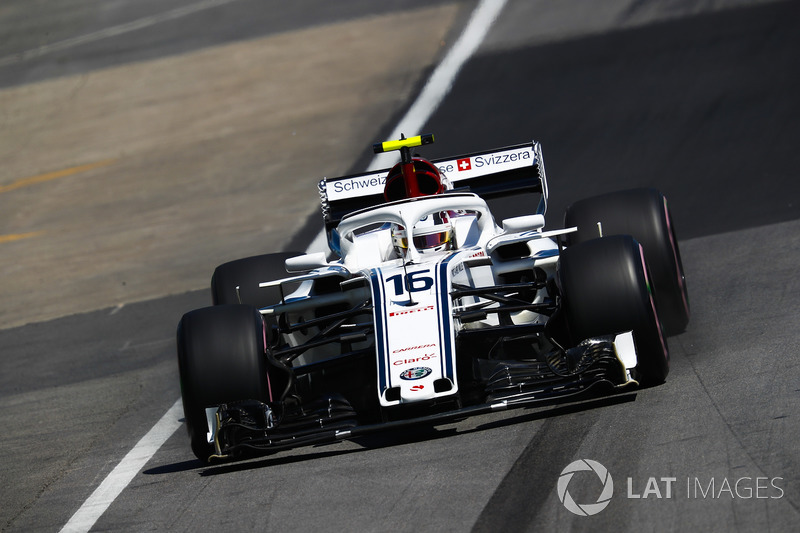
(464, 164)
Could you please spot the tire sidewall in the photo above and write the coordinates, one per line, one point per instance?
(643, 214)
(247, 274)
(605, 290)
(221, 359)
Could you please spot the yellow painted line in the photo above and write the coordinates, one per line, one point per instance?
(33, 180)
(19, 236)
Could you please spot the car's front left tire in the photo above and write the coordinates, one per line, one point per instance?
(221, 359)
(236, 282)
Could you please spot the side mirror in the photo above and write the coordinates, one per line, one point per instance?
(523, 223)
(304, 263)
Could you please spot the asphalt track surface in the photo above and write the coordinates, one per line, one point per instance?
(703, 106)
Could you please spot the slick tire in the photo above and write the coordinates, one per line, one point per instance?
(220, 359)
(605, 290)
(246, 274)
(643, 214)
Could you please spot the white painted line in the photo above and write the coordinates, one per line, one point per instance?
(124, 472)
(429, 99)
(434, 91)
(112, 31)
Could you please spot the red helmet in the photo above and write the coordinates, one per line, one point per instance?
(429, 181)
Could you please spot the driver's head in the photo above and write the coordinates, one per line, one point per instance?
(434, 233)
(429, 180)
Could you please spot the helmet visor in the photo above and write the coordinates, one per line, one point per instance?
(432, 240)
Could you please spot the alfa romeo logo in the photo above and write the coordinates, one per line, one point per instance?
(585, 509)
(415, 373)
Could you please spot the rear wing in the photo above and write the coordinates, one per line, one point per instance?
(489, 174)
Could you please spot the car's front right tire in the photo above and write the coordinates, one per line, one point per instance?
(643, 214)
(606, 290)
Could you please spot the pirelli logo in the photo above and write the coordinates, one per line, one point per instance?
(410, 311)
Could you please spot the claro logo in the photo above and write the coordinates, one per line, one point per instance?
(426, 357)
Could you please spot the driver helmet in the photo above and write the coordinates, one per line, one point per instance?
(434, 233)
(430, 180)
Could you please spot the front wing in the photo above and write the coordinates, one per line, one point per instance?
(595, 367)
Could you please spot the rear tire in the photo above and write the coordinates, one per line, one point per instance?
(246, 274)
(604, 284)
(221, 359)
(643, 214)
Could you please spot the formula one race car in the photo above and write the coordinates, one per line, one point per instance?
(426, 310)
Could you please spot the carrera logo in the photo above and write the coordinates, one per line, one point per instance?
(410, 348)
(410, 311)
(464, 164)
(415, 373)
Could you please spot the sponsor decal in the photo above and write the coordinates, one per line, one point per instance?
(480, 165)
(409, 311)
(500, 159)
(355, 184)
(412, 348)
(417, 388)
(339, 189)
(417, 372)
(342, 188)
(426, 357)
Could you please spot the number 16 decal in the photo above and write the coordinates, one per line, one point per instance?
(413, 282)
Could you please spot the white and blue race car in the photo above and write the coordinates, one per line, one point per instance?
(426, 309)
